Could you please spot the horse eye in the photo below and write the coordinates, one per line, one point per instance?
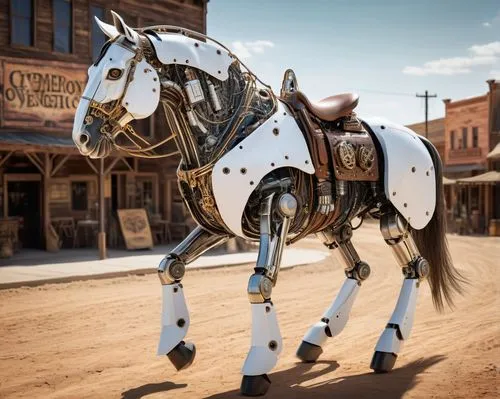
(115, 73)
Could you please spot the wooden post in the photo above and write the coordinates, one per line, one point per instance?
(51, 239)
(102, 212)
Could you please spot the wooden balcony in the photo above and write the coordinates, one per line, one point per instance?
(473, 152)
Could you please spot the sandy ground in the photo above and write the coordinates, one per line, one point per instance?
(98, 338)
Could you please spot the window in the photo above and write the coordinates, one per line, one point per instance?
(63, 26)
(97, 36)
(475, 137)
(464, 137)
(144, 127)
(79, 191)
(452, 139)
(22, 22)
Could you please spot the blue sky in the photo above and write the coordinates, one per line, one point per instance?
(385, 50)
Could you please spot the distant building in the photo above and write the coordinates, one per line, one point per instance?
(435, 133)
(472, 132)
(50, 194)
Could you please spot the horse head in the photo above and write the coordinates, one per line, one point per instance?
(122, 86)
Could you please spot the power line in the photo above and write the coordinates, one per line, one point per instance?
(426, 96)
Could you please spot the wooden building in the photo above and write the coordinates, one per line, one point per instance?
(53, 194)
(435, 133)
(472, 131)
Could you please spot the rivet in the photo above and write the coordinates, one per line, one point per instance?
(243, 171)
(218, 52)
(268, 309)
(284, 113)
(181, 323)
(218, 72)
(226, 171)
(405, 204)
(240, 147)
(176, 289)
(196, 45)
(187, 61)
(413, 169)
(382, 127)
(286, 156)
(155, 79)
(111, 59)
(394, 193)
(175, 59)
(126, 103)
(426, 213)
(275, 121)
(154, 90)
(427, 173)
(307, 162)
(273, 345)
(276, 131)
(272, 164)
(251, 183)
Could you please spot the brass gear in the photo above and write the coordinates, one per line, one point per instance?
(347, 155)
(366, 156)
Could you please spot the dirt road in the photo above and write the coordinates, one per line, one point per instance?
(98, 338)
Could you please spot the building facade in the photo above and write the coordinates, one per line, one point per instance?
(47, 189)
(435, 133)
(472, 130)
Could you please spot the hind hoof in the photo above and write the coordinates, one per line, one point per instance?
(182, 355)
(308, 352)
(383, 362)
(255, 385)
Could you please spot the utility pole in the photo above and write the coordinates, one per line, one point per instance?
(426, 96)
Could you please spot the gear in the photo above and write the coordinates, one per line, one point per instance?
(366, 156)
(347, 154)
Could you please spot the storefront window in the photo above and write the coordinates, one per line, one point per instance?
(63, 29)
(475, 137)
(79, 196)
(22, 22)
(98, 37)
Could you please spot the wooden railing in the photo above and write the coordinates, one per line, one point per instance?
(465, 153)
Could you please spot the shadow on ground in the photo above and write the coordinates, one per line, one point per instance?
(148, 389)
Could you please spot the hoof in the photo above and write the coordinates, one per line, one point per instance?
(255, 385)
(308, 352)
(383, 362)
(182, 355)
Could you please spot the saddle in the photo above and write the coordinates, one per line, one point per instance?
(335, 136)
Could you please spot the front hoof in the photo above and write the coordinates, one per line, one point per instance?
(182, 355)
(308, 352)
(255, 385)
(383, 362)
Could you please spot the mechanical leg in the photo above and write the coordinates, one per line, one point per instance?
(266, 338)
(175, 315)
(335, 317)
(415, 269)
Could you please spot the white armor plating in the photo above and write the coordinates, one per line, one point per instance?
(410, 182)
(391, 340)
(143, 92)
(277, 143)
(337, 314)
(266, 340)
(175, 318)
(182, 50)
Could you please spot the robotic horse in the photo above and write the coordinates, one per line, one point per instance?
(273, 169)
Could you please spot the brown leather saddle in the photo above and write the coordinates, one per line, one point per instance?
(346, 146)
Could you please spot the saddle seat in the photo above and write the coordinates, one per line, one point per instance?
(329, 109)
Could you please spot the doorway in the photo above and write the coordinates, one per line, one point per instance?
(24, 203)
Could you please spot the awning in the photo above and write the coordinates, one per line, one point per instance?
(490, 177)
(35, 139)
(448, 182)
(494, 153)
(463, 168)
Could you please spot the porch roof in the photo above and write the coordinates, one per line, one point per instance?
(490, 177)
(38, 141)
(448, 182)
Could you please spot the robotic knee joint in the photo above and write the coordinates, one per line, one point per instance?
(259, 288)
(396, 233)
(171, 270)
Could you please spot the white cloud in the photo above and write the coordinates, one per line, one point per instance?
(247, 49)
(484, 54)
(486, 24)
